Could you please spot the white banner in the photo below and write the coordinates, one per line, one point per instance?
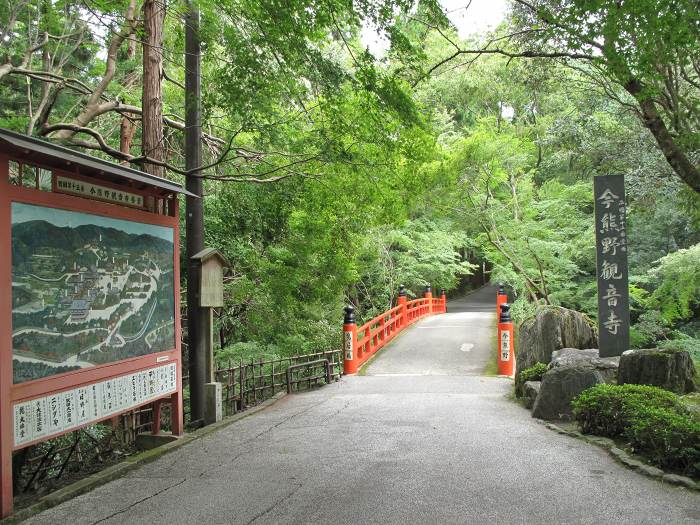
(348, 345)
(505, 345)
(57, 413)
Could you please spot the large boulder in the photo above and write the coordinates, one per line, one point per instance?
(589, 357)
(669, 369)
(552, 328)
(561, 385)
(570, 372)
(531, 389)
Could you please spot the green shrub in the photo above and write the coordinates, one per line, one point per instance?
(666, 437)
(606, 410)
(534, 373)
(653, 421)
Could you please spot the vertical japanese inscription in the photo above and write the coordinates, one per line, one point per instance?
(611, 257)
(348, 337)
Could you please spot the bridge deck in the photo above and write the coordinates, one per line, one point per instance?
(421, 439)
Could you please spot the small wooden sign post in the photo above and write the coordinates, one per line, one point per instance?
(212, 263)
(611, 258)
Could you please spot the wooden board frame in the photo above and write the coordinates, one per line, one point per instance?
(10, 393)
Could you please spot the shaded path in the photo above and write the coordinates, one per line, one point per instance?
(421, 439)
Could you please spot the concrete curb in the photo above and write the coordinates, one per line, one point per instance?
(127, 465)
(626, 459)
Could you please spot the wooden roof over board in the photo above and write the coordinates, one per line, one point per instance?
(52, 155)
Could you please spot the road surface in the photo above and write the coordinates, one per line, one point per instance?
(422, 438)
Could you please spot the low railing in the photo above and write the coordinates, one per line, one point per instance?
(249, 383)
(361, 343)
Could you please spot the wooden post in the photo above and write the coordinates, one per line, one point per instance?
(506, 351)
(351, 362)
(209, 350)
(428, 294)
(403, 312)
(501, 297)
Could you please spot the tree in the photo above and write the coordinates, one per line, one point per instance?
(649, 49)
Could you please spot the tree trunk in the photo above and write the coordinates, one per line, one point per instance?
(152, 123)
(127, 129)
(654, 123)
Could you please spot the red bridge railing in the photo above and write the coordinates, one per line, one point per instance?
(361, 343)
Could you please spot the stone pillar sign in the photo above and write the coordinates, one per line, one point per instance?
(611, 259)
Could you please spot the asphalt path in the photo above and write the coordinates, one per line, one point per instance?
(422, 438)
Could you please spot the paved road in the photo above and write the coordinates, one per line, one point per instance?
(411, 442)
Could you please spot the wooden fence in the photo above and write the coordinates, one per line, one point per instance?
(247, 383)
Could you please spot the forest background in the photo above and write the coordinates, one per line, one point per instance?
(333, 173)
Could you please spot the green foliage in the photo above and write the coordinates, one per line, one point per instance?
(391, 176)
(606, 410)
(668, 438)
(653, 420)
(677, 284)
(533, 373)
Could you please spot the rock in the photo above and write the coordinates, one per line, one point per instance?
(552, 328)
(691, 402)
(601, 441)
(650, 471)
(530, 391)
(675, 479)
(607, 366)
(631, 462)
(618, 453)
(669, 369)
(559, 386)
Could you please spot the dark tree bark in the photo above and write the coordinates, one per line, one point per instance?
(152, 124)
(654, 123)
(127, 128)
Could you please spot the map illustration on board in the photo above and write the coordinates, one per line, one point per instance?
(87, 290)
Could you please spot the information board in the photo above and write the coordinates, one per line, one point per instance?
(55, 414)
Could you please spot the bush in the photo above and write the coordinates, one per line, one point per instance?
(534, 373)
(606, 410)
(666, 437)
(653, 420)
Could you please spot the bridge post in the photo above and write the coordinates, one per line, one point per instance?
(501, 297)
(506, 352)
(428, 294)
(443, 300)
(403, 312)
(351, 359)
